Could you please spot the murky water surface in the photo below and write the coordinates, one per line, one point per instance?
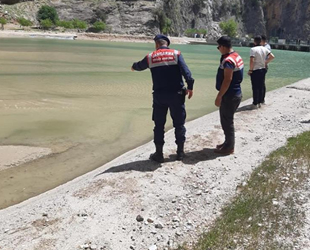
(80, 99)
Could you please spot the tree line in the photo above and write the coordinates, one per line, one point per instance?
(47, 18)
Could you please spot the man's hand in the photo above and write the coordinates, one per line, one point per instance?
(218, 101)
(132, 69)
(189, 93)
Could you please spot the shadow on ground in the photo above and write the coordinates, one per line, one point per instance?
(141, 166)
(245, 108)
(194, 157)
(305, 121)
(191, 158)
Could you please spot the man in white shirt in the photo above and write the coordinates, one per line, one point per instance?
(264, 43)
(257, 71)
(267, 46)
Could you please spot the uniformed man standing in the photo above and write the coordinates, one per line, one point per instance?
(228, 79)
(167, 67)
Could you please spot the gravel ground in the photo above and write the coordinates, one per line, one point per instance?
(132, 203)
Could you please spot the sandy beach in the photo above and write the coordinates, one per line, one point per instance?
(90, 36)
(177, 200)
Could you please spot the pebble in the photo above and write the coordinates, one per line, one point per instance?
(159, 226)
(139, 218)
(153, 247)
(150, 220)
(175, 219)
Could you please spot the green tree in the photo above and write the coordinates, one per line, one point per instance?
(65, 24)
(167, 28)
(3, 21)
(229, 28)
(47, 12)
(24, 22)
(192, 32)
(46, 24)
(99, 26)
(202, 31)
(165, 23)
(78, 24)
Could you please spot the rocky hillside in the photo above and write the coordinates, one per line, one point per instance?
(288, 19)
(274, 17)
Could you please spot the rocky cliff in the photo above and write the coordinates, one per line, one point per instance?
(288, 19)
(274, 17)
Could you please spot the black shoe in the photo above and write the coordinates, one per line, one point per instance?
(224, 151)
(157, 157)
(219, 146)
(180, 156)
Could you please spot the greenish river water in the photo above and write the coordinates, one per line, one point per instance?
(80, 99)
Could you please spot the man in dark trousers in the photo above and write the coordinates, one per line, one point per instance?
(167, 67)
(259, 59)
(228, 79)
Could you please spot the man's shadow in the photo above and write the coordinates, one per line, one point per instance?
(141, 166)
(245, 108)
(305, 122)
(206, 154)
(190, 158)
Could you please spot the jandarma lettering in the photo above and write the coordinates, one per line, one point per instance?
(160, 59)
(163, 54)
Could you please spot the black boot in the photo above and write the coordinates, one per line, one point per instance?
(158, 155)
(180, 152)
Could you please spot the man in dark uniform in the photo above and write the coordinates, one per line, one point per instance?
(228, 79)
(167, 67)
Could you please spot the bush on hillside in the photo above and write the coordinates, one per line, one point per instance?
(3, 21)
(192, 32)
(99, 26)
(46, 24)
(229, 28)
(165, 23)
(78, 24)
(24, 22)
(47, 12)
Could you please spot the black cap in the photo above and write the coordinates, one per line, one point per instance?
(224, 41)
(162, 37)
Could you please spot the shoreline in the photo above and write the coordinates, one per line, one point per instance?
(91, 36)
(182, 197)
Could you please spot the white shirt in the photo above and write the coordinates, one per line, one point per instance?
(267, 46)
(260, 53)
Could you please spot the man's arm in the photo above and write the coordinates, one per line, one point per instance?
(252, 58)
(187, 76)
(228, 75)
(141, 65)
(270, 58)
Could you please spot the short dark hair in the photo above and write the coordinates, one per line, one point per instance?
(162, 42)
(257, 39)
(224, 41)
(264, 37)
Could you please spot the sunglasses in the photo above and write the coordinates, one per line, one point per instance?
(218, 47)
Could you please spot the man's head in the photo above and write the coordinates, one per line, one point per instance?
(224, 44)
(161, 40)
(257, 40)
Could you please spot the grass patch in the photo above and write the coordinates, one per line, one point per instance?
(266, 213)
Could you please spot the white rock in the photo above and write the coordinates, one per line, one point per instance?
(154, 247)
